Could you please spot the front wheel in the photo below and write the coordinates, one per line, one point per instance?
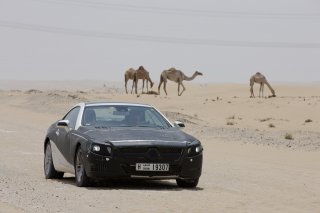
(187, 183)
(81, 177)
(49, 170)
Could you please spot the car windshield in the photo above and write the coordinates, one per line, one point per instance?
(123, 116)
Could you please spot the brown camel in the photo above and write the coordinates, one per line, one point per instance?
(177, 76)
(129, 75)
(135, 75)
(260, 79)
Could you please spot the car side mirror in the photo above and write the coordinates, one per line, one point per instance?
(63, 123)
(179, 124)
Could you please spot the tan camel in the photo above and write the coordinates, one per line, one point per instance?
(135, 75)
(129, 75)
(177, 76)
(143, 74)
(260, 79)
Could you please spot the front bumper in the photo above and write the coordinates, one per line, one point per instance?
(123, 166)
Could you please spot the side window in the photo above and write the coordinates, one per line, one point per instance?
(72, 117)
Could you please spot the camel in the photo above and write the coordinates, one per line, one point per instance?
(260, 79)
(177, 76)
(135, 75)
(142, 73)
(129, 75)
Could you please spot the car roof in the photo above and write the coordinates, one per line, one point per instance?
(113, 103)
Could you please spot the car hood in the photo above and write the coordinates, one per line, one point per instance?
(141, 136)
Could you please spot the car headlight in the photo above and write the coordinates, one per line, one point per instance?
(96, 148)
(198, 149)
(195, 150)
(101, 149)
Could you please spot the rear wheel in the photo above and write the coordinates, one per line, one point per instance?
(49, 170)
(80, 174)
(187, 183)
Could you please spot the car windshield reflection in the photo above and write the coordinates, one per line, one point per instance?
(123, 116)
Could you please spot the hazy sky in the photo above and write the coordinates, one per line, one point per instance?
(227, 40)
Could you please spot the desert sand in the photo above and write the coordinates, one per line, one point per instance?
(249, 165)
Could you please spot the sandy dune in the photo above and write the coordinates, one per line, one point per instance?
(249, 166)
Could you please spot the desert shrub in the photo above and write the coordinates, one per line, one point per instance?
(232, 117)
(288, 136)
(230, 123)
(271, 125)
(265, 119)
(308, 121)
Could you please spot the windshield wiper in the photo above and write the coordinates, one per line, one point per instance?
(149, 126)
(159, 127)
(101, 127)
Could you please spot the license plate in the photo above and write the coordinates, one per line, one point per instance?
(152, 167)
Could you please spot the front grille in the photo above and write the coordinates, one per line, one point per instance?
(150, 154)
(169, 150)
(133, 150)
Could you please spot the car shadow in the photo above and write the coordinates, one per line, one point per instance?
(131, 184)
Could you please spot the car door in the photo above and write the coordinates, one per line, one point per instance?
(63, 138)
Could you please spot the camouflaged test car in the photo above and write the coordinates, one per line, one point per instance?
(97, 141)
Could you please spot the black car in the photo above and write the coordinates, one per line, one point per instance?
(97, 141)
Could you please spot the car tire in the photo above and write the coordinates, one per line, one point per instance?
(187, 183)
(80, 174)
(49, 171)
